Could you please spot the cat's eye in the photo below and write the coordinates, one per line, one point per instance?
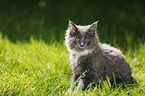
(86, 40)
(77, 39)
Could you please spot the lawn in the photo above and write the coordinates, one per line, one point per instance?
(38, 68)
(33, 56)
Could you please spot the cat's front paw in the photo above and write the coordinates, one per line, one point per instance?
(82, 85)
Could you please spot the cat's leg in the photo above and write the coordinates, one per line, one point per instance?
(76, 80)
(122, 72)
(90, 77)
(83, 81)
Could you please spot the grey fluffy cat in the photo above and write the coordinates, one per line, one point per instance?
(92, 61)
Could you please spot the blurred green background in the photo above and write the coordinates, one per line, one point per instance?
(120, 22)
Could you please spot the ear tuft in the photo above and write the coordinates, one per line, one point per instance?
(94, 25)
(72, 27)
(92, 29)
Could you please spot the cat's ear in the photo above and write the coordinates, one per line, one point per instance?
(72, 27)
(92, 29)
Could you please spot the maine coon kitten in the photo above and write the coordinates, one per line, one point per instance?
(92, 61)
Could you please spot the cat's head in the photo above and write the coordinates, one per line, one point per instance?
(81, 38)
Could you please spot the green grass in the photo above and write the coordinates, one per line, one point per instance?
(37, 68)
(33, 56)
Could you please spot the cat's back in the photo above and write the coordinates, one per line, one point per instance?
(111, 51)
(115, 60)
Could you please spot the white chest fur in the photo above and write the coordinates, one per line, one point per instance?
(74, 56)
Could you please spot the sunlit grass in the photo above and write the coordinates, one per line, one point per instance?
(37, 68)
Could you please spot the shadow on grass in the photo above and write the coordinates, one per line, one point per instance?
(120, 23)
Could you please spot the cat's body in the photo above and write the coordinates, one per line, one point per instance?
(92, 61)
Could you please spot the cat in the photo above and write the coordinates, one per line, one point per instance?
(92, 61)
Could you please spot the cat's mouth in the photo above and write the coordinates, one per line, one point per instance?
(81, 48)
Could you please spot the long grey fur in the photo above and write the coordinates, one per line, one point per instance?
(97, 63)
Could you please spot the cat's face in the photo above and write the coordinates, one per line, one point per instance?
(80, 38)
